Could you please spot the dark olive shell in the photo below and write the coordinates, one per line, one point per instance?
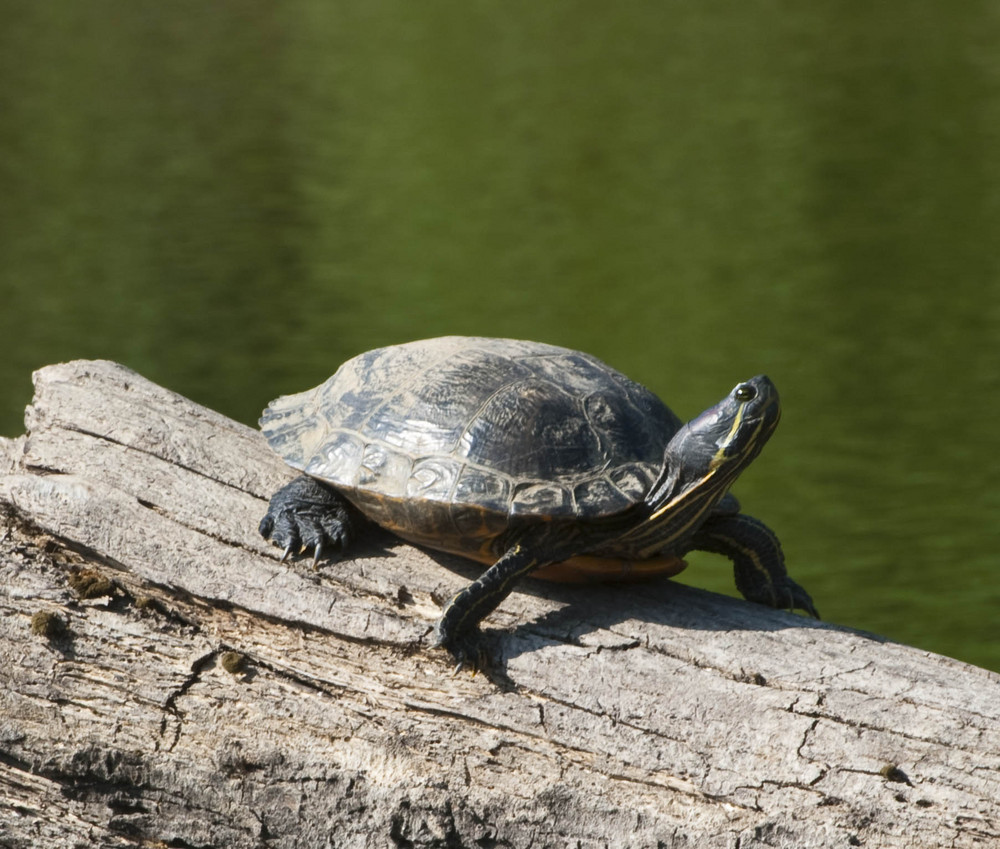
(461, 435)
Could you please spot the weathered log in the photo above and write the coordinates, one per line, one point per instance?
(167, 682)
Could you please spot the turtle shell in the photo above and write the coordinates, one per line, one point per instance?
(451, 441)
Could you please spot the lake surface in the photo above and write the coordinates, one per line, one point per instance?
(233, 198)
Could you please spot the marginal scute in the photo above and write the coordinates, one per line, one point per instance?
(339, 459)
(384, 469)
(486, 489)
(433, 478)
(542, 499)
(632, 479)
(600, 491)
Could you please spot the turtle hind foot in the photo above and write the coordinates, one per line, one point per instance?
(465, 647)
(306, 514)
(470, 652)
(782, 593)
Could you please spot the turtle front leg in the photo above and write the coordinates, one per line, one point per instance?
(307, 514)
(758, 562)
(458, 628)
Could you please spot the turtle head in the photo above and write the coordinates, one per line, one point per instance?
(708, 453)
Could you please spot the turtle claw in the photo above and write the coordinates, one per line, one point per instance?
(480, 663)
(796, 598)
(781, 593)
(467, 649)
(806, 604)
(286, 553)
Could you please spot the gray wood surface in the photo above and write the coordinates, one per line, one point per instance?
(634, 715)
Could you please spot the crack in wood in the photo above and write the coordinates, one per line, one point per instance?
(170, 705)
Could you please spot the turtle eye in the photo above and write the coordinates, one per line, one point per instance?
(745, 392)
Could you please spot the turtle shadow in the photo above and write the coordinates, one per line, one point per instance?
(593, 605)
(660, 601)
(588, 608)
(600, 606)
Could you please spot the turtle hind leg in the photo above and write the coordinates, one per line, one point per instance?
(458, 627)
(306, 514)
(758, 562)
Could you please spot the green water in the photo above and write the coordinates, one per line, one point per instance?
(231, 198)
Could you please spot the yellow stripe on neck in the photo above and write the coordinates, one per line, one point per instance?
(719, 457)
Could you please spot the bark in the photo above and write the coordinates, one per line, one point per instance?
(200, 693)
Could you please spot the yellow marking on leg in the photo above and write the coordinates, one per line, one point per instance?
(754, 557)
(501, 588)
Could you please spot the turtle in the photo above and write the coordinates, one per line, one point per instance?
(521, 455)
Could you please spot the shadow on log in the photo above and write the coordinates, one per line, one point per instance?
(167, 682)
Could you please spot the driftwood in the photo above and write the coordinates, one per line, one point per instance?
(166, 682)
